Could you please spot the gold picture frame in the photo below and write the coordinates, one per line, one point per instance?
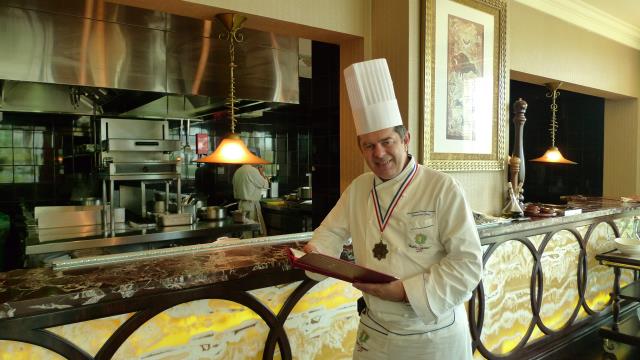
(464, 66)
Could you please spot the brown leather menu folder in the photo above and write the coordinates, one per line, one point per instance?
(336, 268)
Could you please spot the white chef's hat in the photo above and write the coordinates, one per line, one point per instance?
(373, 101)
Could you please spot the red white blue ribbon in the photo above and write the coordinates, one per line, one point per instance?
(383, 220)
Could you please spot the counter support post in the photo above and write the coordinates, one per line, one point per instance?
(112, 205)
(104, 204)
(616, 298)
(143, 203)
(179, 199)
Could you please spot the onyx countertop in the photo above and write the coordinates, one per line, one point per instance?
(592, 207)
(30, 291)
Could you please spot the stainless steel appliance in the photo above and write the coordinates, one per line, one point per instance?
(134, 149)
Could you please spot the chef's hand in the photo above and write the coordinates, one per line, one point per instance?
(308, 248)
(393, 291)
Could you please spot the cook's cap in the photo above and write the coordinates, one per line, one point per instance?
(373, 101)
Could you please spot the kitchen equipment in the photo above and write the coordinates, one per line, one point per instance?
(273, 190)
(66, 216)
(174, 219)
(134, 149)
(304, 193)
(187, 148)
(191, 210)
(87, 201)
(137, 149)
(215, 213)
(159, 207)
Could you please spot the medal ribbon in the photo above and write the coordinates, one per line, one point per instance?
(383, 220)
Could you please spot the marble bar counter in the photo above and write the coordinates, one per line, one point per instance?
(541, 285)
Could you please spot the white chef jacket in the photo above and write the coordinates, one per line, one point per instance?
(248, 184)
(432, 240)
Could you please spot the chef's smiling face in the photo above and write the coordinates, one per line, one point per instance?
(385, 152)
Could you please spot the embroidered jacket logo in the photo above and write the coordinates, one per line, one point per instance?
(419, 242)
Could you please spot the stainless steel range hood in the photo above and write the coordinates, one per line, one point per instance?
(102, 55)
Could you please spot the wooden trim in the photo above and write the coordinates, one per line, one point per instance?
(351, 163)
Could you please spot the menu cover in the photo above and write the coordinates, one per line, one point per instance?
(336, 268)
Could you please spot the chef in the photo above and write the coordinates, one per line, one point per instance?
(408, 221)
(248, 183)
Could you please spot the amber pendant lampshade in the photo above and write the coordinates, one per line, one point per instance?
(553, 155)
(232, 149)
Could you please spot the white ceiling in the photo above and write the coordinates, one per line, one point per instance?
(625, 10)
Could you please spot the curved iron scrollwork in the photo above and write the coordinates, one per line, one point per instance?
(32, 329)
(478, 306)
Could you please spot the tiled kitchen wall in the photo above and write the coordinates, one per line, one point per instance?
(285, 144)
(41, 156)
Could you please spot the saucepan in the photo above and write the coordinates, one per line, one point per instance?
(215, 212)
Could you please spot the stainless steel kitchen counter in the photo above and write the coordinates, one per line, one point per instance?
(42, 241)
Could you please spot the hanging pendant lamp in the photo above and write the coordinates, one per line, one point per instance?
(232, 149)
(553, 155)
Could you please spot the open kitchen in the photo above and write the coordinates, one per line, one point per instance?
(126, 140)
(126, 231)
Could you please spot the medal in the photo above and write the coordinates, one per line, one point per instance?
(380, 249)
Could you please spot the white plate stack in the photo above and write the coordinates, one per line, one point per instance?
(629, 245)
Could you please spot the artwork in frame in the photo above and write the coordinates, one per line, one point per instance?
(465, 111)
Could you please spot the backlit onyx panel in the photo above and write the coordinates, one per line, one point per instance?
(506, 282)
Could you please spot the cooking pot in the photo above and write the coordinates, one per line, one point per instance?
(304, 193)
(159, 207)
(215, 213)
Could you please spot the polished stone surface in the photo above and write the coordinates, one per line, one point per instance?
(30, 291)
(591, 208)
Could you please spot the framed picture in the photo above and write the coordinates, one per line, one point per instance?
(465, 111)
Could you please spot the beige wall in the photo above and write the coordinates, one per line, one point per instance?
(544, 47)
(343, 16)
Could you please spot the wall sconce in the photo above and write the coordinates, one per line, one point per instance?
(553, 155)
(232, 149)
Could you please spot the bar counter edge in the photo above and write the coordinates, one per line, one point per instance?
(541, 287)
